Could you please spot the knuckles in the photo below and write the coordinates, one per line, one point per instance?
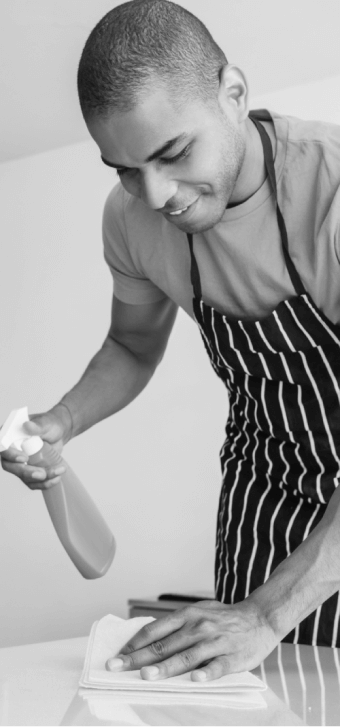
(204, 627)
(187, 659)
(158, 649)
(190, 613)
(131, 661)
(147, 631)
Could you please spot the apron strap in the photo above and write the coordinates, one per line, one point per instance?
(194, 271)
(269, 162)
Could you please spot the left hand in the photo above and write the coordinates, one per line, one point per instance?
(208, 638)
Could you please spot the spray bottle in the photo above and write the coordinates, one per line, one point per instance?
(80, 527)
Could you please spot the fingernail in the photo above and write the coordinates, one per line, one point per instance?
(151, 671)
(200, 676)
(38, 475)
(59, 470)
(115, 664)
(20, 459)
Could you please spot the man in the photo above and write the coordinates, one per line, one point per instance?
(204, 218)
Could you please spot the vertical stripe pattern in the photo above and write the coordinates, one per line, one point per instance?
(281, 457)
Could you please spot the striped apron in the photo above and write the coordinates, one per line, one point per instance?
(281, 456)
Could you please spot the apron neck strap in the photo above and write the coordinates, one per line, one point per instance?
(269, 163)
(194, 272)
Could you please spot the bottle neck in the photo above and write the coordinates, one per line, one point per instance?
(32, 445)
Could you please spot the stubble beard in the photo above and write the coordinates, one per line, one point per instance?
(231, 165)
(234, 149)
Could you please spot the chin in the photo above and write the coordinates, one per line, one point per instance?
(201, 225)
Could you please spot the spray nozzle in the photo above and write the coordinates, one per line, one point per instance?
(12, 433)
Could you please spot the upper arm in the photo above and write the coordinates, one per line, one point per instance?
(132, 283)
(143, 329)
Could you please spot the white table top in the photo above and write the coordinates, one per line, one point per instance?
(39, 686)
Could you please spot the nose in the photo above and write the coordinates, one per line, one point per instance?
(156, 189)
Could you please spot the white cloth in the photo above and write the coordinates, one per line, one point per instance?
(103, 700)
(107, 638)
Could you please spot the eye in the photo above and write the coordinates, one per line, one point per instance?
(182, 154)
(122, 171)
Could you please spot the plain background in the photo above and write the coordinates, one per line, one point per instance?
(153, 469)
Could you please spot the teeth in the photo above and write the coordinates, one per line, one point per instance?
(178, 212)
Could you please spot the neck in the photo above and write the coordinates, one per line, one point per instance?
(253, 172)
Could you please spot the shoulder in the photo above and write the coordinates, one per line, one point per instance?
(121, 207)
(309, 131)
(114, 205)
(130, 225)
(312, 146)
(310, 173)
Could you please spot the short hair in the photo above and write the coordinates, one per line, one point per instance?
(142, 42)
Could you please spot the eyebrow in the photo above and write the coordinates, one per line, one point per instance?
(155, 155)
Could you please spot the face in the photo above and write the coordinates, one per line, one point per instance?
(190, 180)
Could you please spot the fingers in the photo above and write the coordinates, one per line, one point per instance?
(13, 455)
(164, 643)
(180, 663)
(215, 669)
(33, 428)
(36, 478)
(15, 461)
(209, 642)
(151, 668)
(155, 631)
(137, 659)
(47, 426)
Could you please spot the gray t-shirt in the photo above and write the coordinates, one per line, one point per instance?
(241, 264)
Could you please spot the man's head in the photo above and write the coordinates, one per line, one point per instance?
(150, 73)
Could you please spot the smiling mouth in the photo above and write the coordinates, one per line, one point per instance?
(182, 210)
(178, 212)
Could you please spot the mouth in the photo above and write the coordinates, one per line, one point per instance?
(182, 212)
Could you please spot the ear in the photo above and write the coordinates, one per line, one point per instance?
(233, 92)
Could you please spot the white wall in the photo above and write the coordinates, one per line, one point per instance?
(277, 44)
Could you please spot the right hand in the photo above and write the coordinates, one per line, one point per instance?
(53, 427)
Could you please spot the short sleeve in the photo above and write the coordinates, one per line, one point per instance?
(130, 285)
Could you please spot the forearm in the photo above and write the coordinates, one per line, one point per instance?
(113, 378)
(306, 578)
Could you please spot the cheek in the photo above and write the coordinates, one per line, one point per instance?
(131, 184)
(205, 168)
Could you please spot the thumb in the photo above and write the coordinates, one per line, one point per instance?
(39, 425)
(32, 428)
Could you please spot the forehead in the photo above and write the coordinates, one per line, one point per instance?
(130, 137)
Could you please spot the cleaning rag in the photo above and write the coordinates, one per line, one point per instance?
(110, 634)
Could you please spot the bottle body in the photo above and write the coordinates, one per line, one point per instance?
(80, 527)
